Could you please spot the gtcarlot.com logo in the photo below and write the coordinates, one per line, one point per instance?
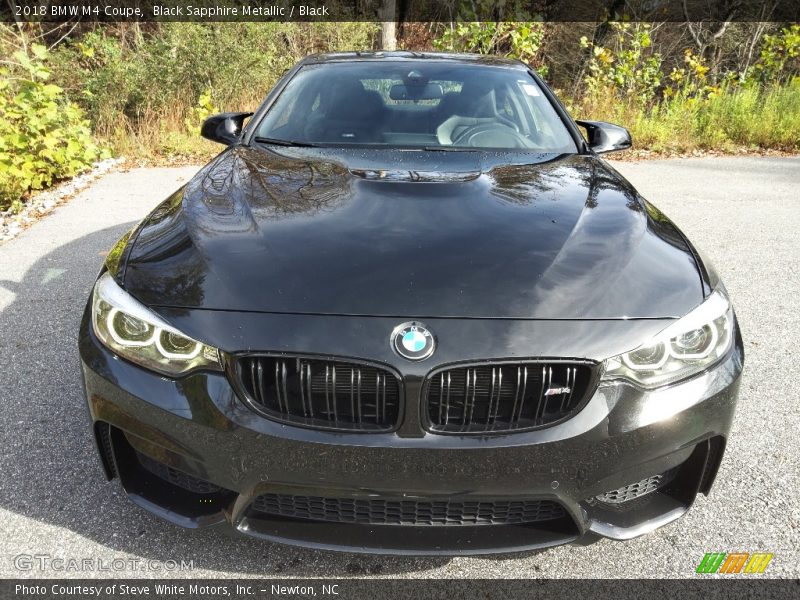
(730, 563)
(46, 562)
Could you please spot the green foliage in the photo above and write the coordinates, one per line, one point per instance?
(200, 112)
(43, 136)
(687, 110)
(100, 75)
(520, 40)
(778, 53)
(507, 37)
(631, 69)
(690, 83)
(735, 117)
(767, 117)
(126, 83)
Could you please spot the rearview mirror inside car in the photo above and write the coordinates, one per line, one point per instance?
(429, 91)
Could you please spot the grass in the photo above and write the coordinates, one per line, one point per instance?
(162, 133)
(742, 118)
(156, 138)
(156, 135)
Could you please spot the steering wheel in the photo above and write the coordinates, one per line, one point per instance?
(507, 122)
(490, 135)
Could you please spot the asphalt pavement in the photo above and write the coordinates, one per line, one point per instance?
(744, 213)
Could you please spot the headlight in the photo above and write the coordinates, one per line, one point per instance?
(136, 333)
(683, 349)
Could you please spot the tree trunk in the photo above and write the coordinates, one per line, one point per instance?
(388, 25)
(389, 35)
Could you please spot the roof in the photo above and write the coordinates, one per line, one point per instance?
(405, 55)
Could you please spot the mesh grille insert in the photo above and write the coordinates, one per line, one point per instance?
(375, 511)
(632, 491)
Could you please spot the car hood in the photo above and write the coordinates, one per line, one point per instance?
(414, 235)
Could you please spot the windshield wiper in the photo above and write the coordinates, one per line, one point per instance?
(450, 149)
(280, 142)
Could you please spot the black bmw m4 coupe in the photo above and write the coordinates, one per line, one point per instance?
(409, 309)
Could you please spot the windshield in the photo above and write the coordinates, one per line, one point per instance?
(415, 104)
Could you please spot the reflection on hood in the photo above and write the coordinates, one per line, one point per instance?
(412, 235)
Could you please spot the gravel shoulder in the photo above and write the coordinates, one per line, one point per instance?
(744, 213)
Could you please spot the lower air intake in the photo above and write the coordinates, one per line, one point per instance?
(175, 477)
(372, 511)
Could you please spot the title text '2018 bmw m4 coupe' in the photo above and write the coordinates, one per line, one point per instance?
(409, 309)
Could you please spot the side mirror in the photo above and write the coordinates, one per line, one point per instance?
(606, 137)
(225, 128)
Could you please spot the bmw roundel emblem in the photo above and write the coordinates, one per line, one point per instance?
(413, 341)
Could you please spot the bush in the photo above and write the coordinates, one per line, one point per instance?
(144, 91)
(631, 70)
(778, 54)
(687, 110)
(43, 136)
(512, 38)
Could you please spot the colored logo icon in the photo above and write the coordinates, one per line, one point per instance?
(730, 563)
(413, 341)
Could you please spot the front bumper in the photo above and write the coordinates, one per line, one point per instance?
(199, 427)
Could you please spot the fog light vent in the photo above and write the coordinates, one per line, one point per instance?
(175, 477)
(636, 490)
(104, 436)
